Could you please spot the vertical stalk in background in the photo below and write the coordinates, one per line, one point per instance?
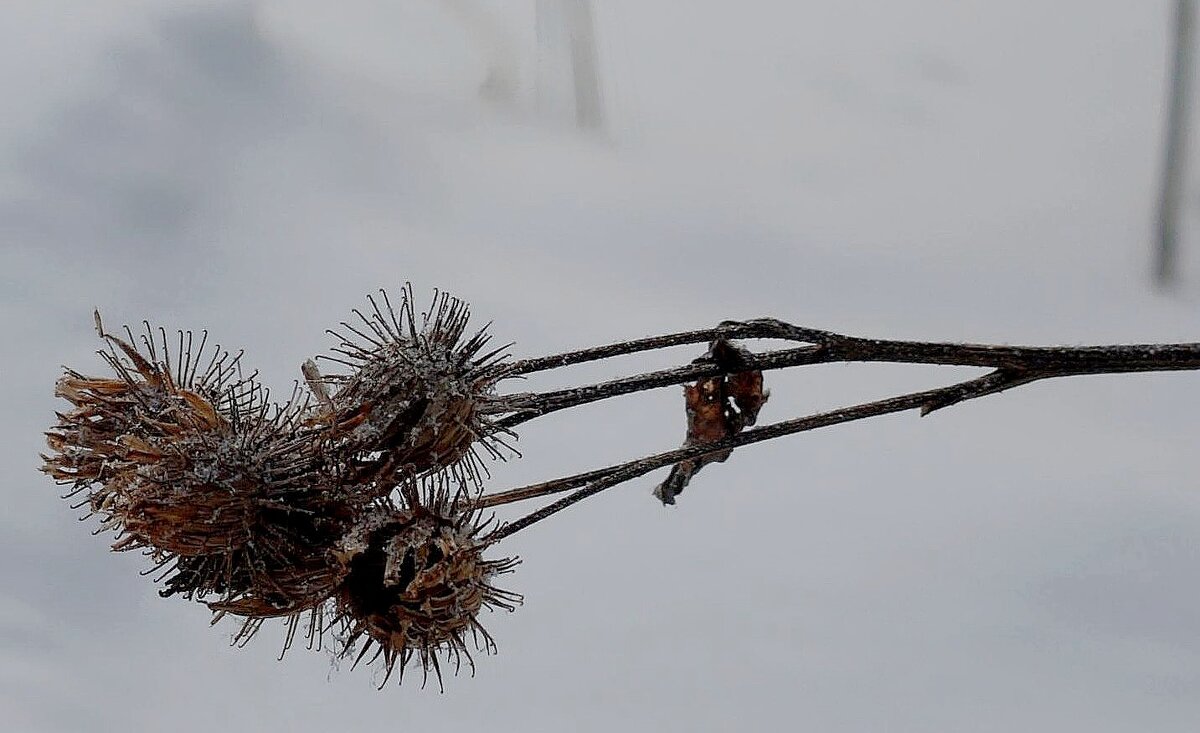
(1166, 248)
(585, 66)
(568, 69)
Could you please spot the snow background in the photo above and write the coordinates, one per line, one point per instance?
(921, 169)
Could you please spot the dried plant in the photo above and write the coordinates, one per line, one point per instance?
(358, 501)
(417, 580)
(190, 461)
(263, 510)
(416, 401)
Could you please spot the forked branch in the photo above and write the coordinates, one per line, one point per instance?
(1011, 366)
(825, 347)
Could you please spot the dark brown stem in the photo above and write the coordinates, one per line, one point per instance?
(828, 348)
(1059, 359)
(761, 328)
(1012, 366)
(546, 488)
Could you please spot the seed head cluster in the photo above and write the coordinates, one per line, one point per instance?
(351, 503)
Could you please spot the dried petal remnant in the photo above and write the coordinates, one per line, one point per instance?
(717, 407)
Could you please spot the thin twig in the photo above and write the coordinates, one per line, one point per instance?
(759, 328)
(545, 488)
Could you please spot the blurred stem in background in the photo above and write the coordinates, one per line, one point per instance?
(1165, 269)
(568, 62)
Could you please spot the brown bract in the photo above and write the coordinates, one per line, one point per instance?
(716, 407)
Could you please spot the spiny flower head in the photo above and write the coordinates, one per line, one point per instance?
(187, 459)
(417, 400)
(417, 581)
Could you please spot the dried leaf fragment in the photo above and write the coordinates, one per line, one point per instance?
(717, 407)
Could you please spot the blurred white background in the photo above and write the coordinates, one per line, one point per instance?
(925, 169)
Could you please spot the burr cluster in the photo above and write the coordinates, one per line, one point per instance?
(351, 504)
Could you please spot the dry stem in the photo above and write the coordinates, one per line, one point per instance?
(1012, 366)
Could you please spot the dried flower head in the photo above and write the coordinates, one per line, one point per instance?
(416, 582)
(184, 457)
(417, 400)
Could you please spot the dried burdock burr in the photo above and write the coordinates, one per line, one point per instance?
(129, 437)
(187, 459)
(417, 581)
(407, 581)
(418, 399)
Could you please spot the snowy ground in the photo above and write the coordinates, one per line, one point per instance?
(917, 169)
